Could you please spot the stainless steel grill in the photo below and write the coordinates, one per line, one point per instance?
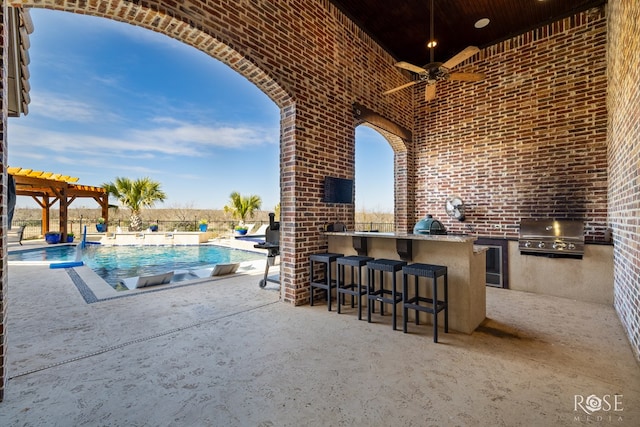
(552, 237)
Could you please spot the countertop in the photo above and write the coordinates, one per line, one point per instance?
(448, 238)
(440, 238)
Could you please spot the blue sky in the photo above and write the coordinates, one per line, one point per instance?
(110, 99)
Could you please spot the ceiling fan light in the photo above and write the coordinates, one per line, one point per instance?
(481, 23)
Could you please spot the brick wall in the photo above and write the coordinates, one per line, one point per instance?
(624, 161)
(528, 141)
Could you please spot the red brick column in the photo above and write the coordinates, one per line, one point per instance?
(310, 152)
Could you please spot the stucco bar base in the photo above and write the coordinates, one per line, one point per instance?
(466, 265)
(589, 279)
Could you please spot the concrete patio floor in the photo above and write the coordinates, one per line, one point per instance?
(227, 353)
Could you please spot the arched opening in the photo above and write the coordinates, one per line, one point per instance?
(398, 139)
(374, 195)
(166, 141)
(131, 102)
(314, 118)
(151, 142)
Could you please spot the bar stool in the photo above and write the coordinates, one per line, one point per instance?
(382, 266)
(327, 282)
(354, 289)
(428, 271)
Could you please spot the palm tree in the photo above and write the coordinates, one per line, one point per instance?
(135, 195)
(241, 207)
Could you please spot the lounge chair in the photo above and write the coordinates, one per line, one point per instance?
(150, 280)
(258, 236)
(218, 270)
(260, 231)
(15, 236)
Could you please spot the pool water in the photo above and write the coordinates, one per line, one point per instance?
(52, 253)
(114, 263)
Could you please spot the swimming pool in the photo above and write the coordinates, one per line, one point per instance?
(114, 263)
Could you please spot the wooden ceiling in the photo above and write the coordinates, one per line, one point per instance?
(402, 26)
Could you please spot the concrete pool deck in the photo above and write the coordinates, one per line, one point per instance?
(226, 353)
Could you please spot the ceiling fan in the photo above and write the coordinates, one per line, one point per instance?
(436, 71)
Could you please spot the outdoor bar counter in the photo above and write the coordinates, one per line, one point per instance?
(466, 264)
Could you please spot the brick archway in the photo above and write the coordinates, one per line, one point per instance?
(214, 40)
(301, 55)
(314, 92)
(160, 19)
(401, 142)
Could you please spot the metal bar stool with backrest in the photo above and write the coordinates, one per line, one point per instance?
(434, 306)
(384, 296)
(326, 282)
(353, 288)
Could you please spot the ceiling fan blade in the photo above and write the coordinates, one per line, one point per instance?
(461, 56)
(430, 92)
(467, 77)
(410, 67)
(395, 89)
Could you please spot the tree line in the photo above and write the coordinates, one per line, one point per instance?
(133, 197)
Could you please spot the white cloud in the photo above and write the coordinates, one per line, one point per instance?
(191, 136)
(180, 139)
(63, 108)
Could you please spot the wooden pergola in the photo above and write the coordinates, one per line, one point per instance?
(47, 188)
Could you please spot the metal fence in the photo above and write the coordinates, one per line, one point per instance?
(33, 228)
(383, 227)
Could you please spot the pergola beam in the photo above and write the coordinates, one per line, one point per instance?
(47, 188)
(38, 182)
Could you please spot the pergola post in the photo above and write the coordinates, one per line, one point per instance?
(64, 203)
(103, 200)
(45, 214)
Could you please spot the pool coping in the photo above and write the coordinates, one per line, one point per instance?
(90, 296)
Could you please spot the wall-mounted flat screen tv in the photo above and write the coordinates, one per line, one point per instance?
(338, 190)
